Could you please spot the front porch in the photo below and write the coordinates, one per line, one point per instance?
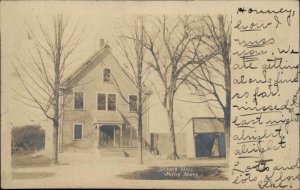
(115, 135)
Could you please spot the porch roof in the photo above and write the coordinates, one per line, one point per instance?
(108, 122)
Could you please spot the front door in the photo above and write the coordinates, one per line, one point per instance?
(110, 136)
(107, 136)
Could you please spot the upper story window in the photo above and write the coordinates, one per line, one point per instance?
(78, 132)
(106, 75)
(78, 100)
(132, 103)
(111, 102)
(101, 101)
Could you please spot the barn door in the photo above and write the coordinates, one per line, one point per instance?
(204, 143)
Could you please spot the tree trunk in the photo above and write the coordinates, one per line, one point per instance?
(227, 143)
(227, 115)
(227, 110)
(225, 47)
(140, 129)
(228, 96)
(140, 146)
(173, 154)
(56, 126)
(55, 141)
(140, 106)
(56, 88)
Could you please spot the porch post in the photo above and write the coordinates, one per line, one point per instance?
(121, 135)
(97, 136)
(114, 136)
(130, 135)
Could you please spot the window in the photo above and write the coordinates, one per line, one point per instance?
(78, 100)
(77, 131)
(132, 103)
(106, 75)
(111, 102)
(101, 102)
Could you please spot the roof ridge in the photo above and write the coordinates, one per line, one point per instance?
(83, 65)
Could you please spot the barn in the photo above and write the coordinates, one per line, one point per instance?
(201, 137)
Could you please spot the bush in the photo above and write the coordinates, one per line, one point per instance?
(27, 139)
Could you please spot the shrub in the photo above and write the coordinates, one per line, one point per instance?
(26, 139)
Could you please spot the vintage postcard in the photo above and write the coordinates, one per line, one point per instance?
(150, 94)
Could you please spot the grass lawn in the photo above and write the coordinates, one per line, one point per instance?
(30, 161)
(31, 175)
(24, 161)
(40, 167)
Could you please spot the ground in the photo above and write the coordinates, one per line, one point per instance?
(89, 169)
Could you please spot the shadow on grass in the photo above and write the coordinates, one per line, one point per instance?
(31, 175)
(30, 161)
(177, 173)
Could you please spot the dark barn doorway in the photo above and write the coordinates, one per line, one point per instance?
(210, 145)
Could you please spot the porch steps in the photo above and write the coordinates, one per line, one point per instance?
(112, 152)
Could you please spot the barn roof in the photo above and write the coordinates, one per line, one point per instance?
(208, 125)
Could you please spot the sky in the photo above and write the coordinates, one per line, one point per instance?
(99, 19)
(15, 21)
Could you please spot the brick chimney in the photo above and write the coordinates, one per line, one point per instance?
(101, 43)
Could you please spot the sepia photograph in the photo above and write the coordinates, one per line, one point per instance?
(124, 95)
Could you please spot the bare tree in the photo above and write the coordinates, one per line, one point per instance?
(42, 74)
(173, 46)
(133, 50)
(212, 81)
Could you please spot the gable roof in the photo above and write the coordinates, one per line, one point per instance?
(204, 125)
(208, 125)
(102, 53)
